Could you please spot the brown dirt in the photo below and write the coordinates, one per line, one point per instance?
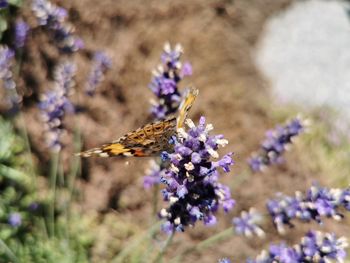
(219, 38)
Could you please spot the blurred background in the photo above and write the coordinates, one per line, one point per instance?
(256, 63)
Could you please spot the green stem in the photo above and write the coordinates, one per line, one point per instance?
(29, 149)
(161, 253)
(8, 252)
(155, 201)
(225, 234)
(73, 174)
(137, 242)
(53, 178)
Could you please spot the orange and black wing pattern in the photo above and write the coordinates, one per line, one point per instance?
(148, 140)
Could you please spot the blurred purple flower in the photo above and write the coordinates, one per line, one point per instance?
(224, 260)
(6, 76)
(153, 175)
(314, 247)
(165, 81)
(101, 63)
(318, 202)
(33, 206)
(186, 70)
(15, 219)
(53, 18)
(192, 186)
(21, 32)
(248, 224)
(275, 144)
(55, 103)
(3, 4)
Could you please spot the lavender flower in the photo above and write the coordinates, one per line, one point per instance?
(192, 186)
(224, 260)
(275, 144)
(153, 174)
(317, 203)
(63, 76)
(55, 103)
(34, 206)
(21, 32)
(165, 81)
(314, 247)
(3, 4)
(247, 224)
(53, 18)
(6, 60)
(15, 219)
(101, 63)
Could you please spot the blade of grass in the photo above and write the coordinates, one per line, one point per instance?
(8, 252)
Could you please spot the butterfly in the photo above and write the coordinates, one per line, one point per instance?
(150, 139)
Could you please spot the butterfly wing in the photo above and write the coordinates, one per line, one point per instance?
(185, 106)
(148, 140)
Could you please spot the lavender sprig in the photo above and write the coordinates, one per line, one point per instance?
(21, 32)
(318, 202)
(192, 186)
(6, 75)
(248, 224)
(314, 247)
(101, 63)
(275, 144)
(55, 103)
(165, 82)
(54, 19)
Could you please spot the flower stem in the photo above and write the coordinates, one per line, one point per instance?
(155, 201)
(53, 179)
(225, 234)
(161, 253)
(133, 245)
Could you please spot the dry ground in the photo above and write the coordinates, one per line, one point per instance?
(219, 38)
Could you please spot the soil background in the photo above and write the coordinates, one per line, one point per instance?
(219, 38)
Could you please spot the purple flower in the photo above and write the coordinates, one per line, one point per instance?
(275, 144)
(318, 202)
(6, 76)
(3, 4)
(165, 81)
(33, 206)
(224, 260)
(15, 219)
(21, 32)
(186, 70)
(53, 18)
(55, 103)
(153, 175)
(192, 187)
(314, 247)
(101, 63)
(247, 224)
